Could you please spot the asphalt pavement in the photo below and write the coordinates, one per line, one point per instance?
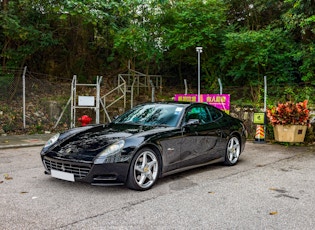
(272, 187)
(17, 141)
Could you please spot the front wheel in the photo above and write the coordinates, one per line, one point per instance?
(144, 170)
(233, 151)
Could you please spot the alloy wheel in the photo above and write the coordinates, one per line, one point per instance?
(233, 151)
(146, 169)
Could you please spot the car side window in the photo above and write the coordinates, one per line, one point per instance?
(214, 113)
(200, 113)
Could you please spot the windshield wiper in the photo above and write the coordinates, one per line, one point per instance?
(160, 125)
(128, 123)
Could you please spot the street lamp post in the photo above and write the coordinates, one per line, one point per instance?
(199, 50)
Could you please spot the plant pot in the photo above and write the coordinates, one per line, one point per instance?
(289, 133)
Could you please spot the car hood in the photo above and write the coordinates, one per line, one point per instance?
(84, 144)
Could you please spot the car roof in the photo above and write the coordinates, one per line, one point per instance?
(182, 103)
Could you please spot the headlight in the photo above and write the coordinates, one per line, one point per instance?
(52, 140)
(110, 150)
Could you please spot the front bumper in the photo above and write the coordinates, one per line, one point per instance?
(95, 174)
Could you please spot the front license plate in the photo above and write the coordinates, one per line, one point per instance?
(62, 175)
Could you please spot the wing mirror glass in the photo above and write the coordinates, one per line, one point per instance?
(193, 122)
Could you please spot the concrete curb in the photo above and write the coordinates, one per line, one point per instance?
(21, 141)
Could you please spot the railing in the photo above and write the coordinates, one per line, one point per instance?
(127, 83)
(122, 89)
(137, 80)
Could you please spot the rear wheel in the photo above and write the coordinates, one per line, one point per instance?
(144, 170)
(233, 151)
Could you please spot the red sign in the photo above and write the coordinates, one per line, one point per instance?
(220, 101)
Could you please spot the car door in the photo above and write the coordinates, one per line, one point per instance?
(200, 136)
(222, 125)
(170, 141)
(171, 145)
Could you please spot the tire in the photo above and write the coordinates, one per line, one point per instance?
(233, 151)
(144, 170)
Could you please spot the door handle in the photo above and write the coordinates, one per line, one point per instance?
(219, 132)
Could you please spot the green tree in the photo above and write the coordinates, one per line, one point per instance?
(306, 57)
(300, 19)
(138, 39)
(84, 30)
(242, 40)
(65, 33)
(300, 22)
(249, 55)
(188, 24)
(23, 32)
(255, 15)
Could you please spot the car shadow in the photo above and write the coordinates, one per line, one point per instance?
(181, 179)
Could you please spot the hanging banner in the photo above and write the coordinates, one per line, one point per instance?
(220, 101)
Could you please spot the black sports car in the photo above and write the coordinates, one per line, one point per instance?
(150, 141)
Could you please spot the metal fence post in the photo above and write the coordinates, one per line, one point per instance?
(153, 91)
(23, 80)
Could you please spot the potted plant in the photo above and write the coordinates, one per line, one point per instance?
(289, 120)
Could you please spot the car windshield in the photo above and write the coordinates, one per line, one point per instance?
(153, 114)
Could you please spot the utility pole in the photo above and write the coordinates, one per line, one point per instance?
(199, 50)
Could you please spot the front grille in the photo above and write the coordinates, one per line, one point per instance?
(79, 171)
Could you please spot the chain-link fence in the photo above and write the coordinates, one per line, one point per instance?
(7, 83)
(31, 104)
(39, 102)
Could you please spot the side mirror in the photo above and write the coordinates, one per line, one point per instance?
(192, 122)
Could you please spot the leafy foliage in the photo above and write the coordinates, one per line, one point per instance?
(188, 24)
(242, 40)
(24, 33)
(251, 54)
(289, 113)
